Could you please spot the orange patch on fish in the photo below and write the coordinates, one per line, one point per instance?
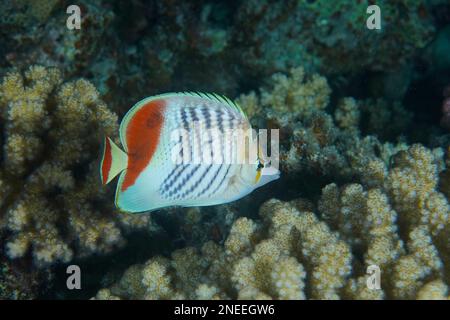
(142, 136)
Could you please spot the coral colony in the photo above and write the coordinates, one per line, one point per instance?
(364, 149)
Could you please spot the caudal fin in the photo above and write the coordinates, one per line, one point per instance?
(114, 161)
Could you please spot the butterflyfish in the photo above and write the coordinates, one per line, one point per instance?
(184, 149)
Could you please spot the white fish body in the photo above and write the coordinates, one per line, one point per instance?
(177, 154)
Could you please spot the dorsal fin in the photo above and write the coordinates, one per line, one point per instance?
(219, 98)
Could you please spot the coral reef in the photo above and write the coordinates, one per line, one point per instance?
(50, 195)
(293, 253)
(365, 166)
(240, 42)
(388, 207)
(30, 24)
(330, 37)
(23, 14)
(402, 220)
(314, 141)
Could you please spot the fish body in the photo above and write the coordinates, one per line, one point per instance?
(183, 149)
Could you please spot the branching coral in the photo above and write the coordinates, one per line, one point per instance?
(313, 141)
(403, 223)
(388, 213)
(50, 188)
(294, 254)
(374, 198)
(244, 268)
(293, 93)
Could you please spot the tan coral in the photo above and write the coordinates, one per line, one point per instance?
(50, 170)
(433, 290)
(288, 278)
(294, 92)
(347, 115)
(293, 254)
(156, 280)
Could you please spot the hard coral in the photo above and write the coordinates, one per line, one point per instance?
(49, 171)
(392, 215)
(293, 254)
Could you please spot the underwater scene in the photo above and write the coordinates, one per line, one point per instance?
(338, 188)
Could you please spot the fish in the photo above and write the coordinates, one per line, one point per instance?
(184, 149)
